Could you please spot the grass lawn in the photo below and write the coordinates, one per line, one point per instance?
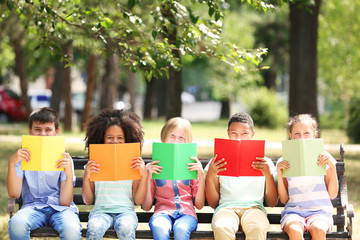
(201, 132)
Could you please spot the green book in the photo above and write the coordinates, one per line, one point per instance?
(173, 158)
(303, 155)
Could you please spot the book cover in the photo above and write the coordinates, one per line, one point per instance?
(45, 152)
(239, 155)
(173, 158)
(114, 160)
(303, 155)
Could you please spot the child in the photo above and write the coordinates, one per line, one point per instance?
(175, 199)
(47, 195)
(114, 200)
(238, 201)
(307, 209)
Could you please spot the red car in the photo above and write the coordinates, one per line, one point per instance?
(11, 106)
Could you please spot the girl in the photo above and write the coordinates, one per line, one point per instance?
(175, 199)
(114, 205)
(308, 206)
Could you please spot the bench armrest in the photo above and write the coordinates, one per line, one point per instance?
(350, 215)
(11, 206)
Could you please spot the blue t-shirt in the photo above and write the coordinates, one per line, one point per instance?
(42, 188)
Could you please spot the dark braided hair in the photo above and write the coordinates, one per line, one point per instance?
(128, 121)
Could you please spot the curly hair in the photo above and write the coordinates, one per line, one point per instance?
(128, 121)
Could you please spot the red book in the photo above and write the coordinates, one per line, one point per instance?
(239, 155)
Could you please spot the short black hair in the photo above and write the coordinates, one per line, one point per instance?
(44, 115)
(242, 117)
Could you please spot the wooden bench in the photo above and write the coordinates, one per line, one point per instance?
(343, 212)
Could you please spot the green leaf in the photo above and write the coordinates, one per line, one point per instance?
(131, 3)
(211, 11)
(154, 34)
(10, 5)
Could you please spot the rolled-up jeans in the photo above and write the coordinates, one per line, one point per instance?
(182, 226)
(124, 224)
(66, 222)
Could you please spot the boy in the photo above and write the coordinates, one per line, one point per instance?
(47, 195)
(238, 201)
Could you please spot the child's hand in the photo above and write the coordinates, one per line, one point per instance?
(138, 163)
(21, 154)
(325, 158)
(196, 166)
(91, 167)
(65, 163)
(216, 166)
(151, 168)
(261, 165)
(282, 165)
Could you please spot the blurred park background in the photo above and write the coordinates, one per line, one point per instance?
(200, 59)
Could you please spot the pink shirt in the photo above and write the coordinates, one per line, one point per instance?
(174, 197)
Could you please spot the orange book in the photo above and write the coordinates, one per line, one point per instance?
(114, 160)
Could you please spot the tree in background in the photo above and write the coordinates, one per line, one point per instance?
(303, 57)
(339, 58)
(132, 29)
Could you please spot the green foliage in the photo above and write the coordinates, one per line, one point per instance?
(353, 128)
(339, 52)
(147, 35)
(266, 109)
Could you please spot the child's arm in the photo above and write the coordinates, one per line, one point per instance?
(271, 195)
(200, 195)
(67, 186)
(331, 181)
(139, 186)
(88, 187)
(14, 183)
(212, 182)
(282, 182)
(151, 168)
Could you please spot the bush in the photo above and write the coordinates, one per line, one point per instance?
(266, 109)
(353, 129)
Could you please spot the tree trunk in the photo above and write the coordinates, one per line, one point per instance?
(67, 50)
(132, 90)
(90, 85)
(161, 96)
(57, 87)
(174, 85)
(303, 59)
(109, 82)
(150, 98)
(21, 72)
(225, 109)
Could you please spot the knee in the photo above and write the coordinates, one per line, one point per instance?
(294, 230)
(18, 225)
(71, 230)
(126, 230)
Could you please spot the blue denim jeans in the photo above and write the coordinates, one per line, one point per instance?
(125, 225)
(182, 226)
(67, 223)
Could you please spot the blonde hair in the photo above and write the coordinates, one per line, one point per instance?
(174, 123)
(303, 117)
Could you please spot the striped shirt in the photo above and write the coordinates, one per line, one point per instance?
(308, 196)
(113, 197)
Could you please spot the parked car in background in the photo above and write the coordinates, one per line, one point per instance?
(39, 98)
(11, 106)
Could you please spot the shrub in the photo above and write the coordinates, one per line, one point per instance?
(266, 109)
